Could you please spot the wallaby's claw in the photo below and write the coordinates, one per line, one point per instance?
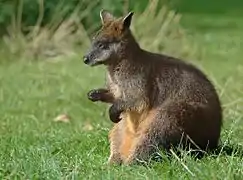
(94, 95)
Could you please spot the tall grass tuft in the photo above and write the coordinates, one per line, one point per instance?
(158, 29)
(60, 37)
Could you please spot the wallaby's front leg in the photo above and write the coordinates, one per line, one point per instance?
(115, 113)
(103, 95)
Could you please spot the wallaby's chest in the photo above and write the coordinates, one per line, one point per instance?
(114, 86)
(118, 85)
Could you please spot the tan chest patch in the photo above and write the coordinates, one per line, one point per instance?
(114, 88)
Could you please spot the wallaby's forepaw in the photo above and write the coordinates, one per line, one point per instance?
(95, 94)
(114, 114)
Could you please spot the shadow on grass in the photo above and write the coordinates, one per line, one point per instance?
(226, 150)
(229, 150)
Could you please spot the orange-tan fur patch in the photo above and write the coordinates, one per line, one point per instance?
(127, 142)
(132, 122)
(112, 29)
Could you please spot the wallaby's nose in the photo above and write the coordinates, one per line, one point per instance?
(86, 59)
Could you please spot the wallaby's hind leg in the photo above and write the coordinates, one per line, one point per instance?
(157, 135)
(168, 124)
(115, 141)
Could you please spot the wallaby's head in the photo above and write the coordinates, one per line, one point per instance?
(110, 41)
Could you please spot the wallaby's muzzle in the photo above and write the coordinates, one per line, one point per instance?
(89, 60)
(86, 59)
(94, 58)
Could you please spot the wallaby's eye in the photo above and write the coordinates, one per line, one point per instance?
(103, 45)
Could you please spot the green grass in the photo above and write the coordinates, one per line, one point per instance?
(32, 94)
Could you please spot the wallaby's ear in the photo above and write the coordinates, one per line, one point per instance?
(105, 16)
(127, 20)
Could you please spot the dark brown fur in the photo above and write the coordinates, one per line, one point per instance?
(161, 100)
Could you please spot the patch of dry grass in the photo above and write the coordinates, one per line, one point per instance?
(159, 31)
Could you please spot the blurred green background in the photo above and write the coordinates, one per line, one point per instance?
(42, 76)
(31, 8)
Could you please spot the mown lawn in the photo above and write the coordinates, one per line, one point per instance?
(32, 94)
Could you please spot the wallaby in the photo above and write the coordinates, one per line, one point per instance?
(157, 101)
